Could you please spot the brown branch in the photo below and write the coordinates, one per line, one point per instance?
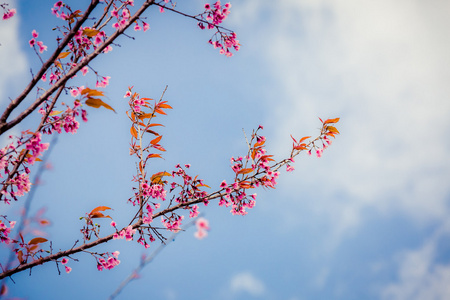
(4, 126)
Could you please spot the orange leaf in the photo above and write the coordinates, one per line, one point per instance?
(91, 92)
(160, 111)
(245, 171)
(133, 132)
(303, 138)
(332, 129)
(96, 103)
(44, 222)
(90, 32)
(100, 208)
(20, 257)
(156, 140)
(154, 155)
(146, 116)
(163, 105)
(331, 121)
(37, 241)
(98, 214)
(63, 55)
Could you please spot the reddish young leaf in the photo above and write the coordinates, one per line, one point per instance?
(20, 257)
(163, 105)
(63, 55)
(100, 208)
(156, 140)
(37, 240)
(331, 121)
(133, 132)
(96, 103)
(90, 32)
(245, 171)
(160, 111)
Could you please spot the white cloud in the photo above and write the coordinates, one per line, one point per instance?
(12, 59)
(419, 276)
(248, 283)
(383, 67)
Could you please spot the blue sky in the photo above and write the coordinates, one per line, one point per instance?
(368, 220)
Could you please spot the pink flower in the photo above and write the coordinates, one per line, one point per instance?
(116, 254)
(42, 47)
(202, 223)
(68, 269)
(84, 70)
(319, 152)
(64, 261)
(32, 42)
(58, 4)
(9, 14)
(127, 94)
(74, 92)
(137, 27)
(34, 33)
(146, 26)
(161, 9)
(223, 184)
(44, 77)
(200, 234)
(113, 224)
(289, 168)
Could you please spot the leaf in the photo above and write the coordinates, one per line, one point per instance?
(154, 155)
(90, 32)
(332, 129)
(303, 138)
(55, 112)
(44, 222)
(91, 92)
(152, 132)
(156, 140)
(20, 257)
(146, 99)
(245, 184)
(163, 105)
(98, 214)
(328, 121)
(133, 132)
(100, 208)
(96, 103)
(245, 171)
(146, 116)
(63, 55)
(160, 111)
(37, 240)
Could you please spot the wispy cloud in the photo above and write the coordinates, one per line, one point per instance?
(383, 67)
(246, 282)
(12, 59)
(419, 274)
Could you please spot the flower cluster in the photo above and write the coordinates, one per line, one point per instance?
(66, 120)
(8, 13)
(172, 223)
(5, 231)
(108, 261)
(126, 233)
(202, 228)
(64, 261)
(57, 10)
(35, 148)
(211, 18)
(33, 42)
